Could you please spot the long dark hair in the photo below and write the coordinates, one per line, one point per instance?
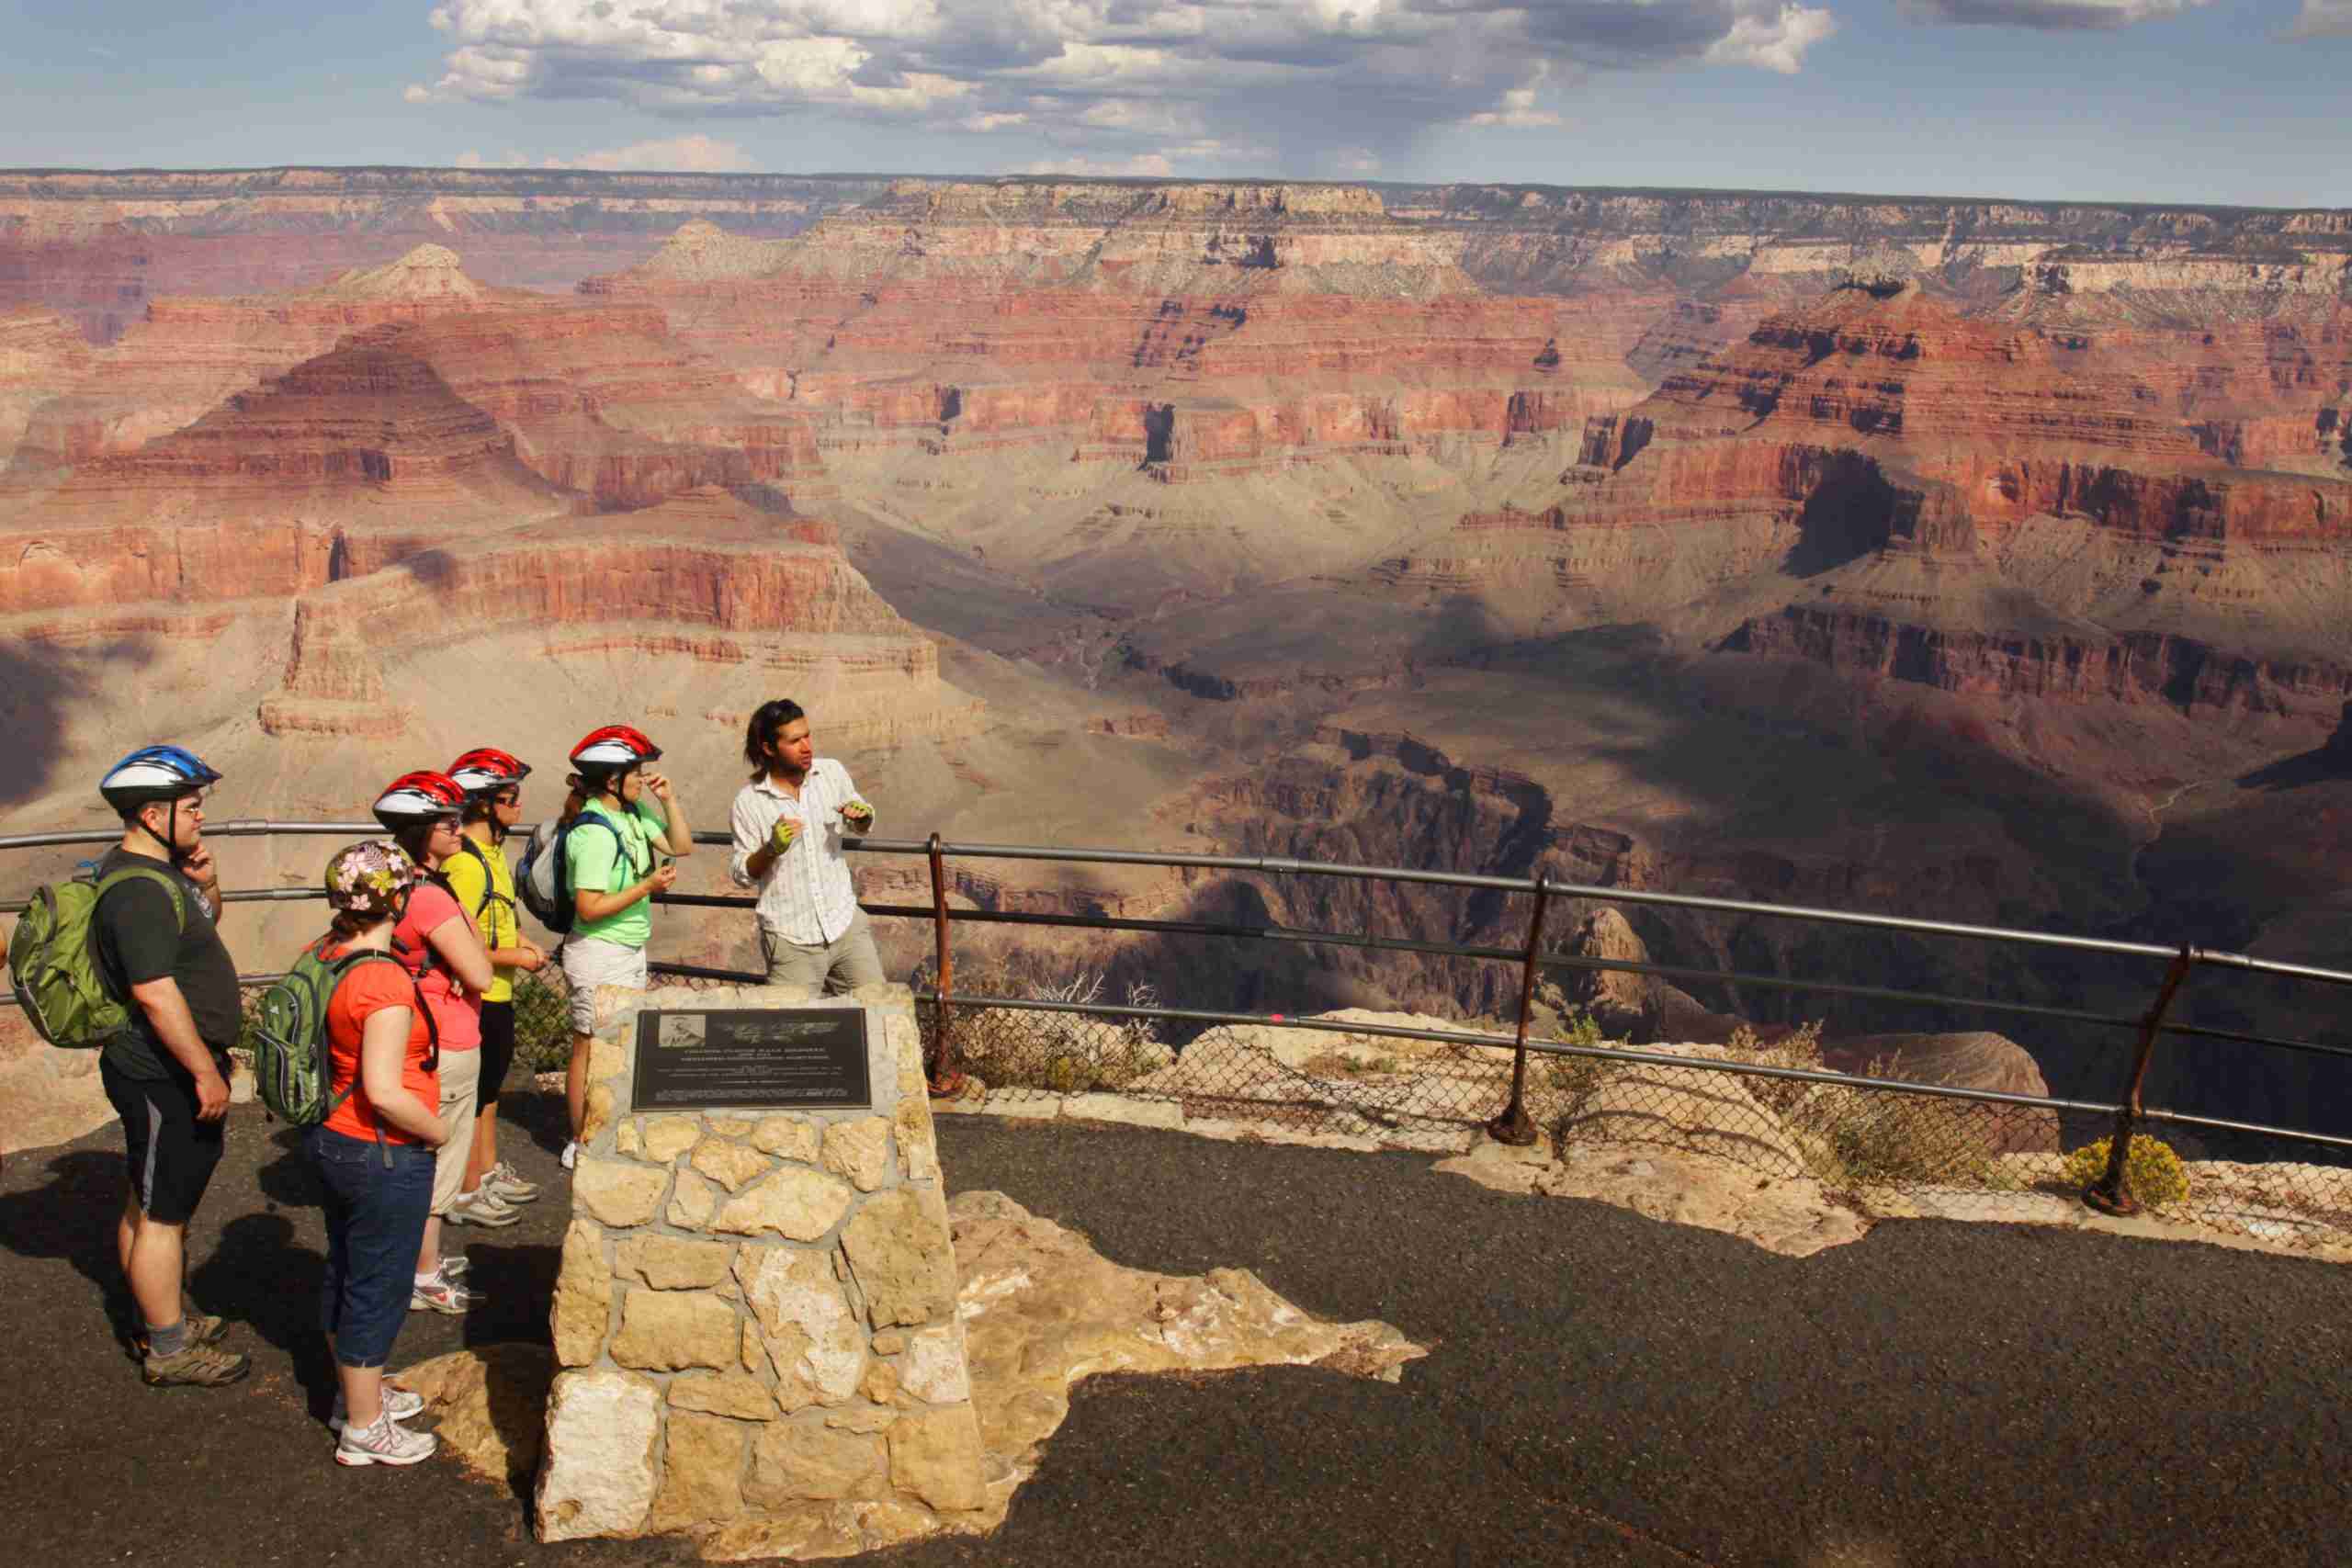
(413, 841)
(767, 722)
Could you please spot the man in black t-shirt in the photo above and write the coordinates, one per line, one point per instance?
(167, 1072)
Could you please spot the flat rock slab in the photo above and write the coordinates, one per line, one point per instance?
(1790, 1215)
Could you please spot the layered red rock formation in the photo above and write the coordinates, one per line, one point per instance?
(1987, 507)
(702, 578)
(99, 248)
(347, 462)
(38, 353)
(596, 400)
(1835, 593)
(1204, 331)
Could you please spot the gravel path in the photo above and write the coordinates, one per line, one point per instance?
(1604, 1388)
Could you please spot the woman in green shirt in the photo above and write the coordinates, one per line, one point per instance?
(613, 872)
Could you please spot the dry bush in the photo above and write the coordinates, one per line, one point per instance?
(1855, 1138)
(1340, 1064)
(1799, 1049)
(1062, 1053)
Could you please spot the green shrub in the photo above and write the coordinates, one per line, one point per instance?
(2153, 1174)
(1575, 1079)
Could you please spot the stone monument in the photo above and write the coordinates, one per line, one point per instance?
(755, 1321)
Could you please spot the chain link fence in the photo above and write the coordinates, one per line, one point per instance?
(1883, 1146)
(1767, 1106)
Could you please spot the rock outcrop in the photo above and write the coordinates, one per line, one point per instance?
(1041, 1311)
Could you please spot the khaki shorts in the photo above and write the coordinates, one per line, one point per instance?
(590, 961)
(460, 1082)
(845, 964)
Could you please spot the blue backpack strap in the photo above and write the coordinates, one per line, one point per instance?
(620, 845)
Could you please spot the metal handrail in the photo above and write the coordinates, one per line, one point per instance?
(1278, 866)
(1513, 1124)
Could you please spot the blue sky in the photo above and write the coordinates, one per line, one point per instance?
(2232, 101)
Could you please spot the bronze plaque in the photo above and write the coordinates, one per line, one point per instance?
(809, 1058)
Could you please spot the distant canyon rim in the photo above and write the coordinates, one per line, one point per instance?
(1978, 559)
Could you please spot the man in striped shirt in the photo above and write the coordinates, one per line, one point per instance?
(789, 822)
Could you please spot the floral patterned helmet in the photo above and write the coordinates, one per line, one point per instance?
(370, 879)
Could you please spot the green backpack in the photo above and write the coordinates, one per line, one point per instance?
(289, 1035)
(53, 958)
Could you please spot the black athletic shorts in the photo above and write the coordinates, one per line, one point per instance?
(172, 1153)
(497, 1050)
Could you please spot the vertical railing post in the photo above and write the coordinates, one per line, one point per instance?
(941, 1068)
(2107, 1194)
(1514, 1125)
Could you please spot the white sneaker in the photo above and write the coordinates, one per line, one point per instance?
(508, 1183)
(400, 1404)
(443, 1294)
(480, 1207)
(572, 1154)
(386, 1442)
(454, 1265)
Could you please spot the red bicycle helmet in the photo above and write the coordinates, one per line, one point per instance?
(413, 798)
(613, 748)
(486, 770)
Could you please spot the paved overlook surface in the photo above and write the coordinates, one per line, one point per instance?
(1604, 1388)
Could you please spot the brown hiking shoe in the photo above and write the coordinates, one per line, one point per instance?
(198, 1365)
(203, 1328)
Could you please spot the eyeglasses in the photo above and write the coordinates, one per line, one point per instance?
(445, 824)
(507, 800)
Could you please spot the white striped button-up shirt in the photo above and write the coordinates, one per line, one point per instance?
(807, 896)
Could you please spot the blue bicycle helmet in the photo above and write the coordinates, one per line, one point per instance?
(154, 773)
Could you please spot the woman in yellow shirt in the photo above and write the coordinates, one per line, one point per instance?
(484, 885)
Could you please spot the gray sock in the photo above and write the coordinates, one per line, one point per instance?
(168, 1340)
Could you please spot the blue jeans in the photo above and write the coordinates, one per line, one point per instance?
(376, 1216)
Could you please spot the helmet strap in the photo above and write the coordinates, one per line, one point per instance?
(169, 840)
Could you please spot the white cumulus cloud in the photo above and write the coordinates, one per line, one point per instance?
(2325, 18)
(1118, 82)
(1775, 43)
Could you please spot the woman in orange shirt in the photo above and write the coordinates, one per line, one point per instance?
(375, 1153)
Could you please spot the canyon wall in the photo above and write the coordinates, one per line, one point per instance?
(1892, 552)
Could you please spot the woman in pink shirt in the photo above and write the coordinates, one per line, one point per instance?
(436, 940)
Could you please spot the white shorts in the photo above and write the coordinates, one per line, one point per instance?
(590, 961)
(460, 1090)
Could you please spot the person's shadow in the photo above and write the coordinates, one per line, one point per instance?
(73, 1216)
(260, 1275)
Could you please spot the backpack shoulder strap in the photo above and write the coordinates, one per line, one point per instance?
(621, 844)
(163, 879)
(489, 884)
(339, 967)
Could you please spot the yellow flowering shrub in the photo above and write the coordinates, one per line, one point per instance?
(2153, 1174)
